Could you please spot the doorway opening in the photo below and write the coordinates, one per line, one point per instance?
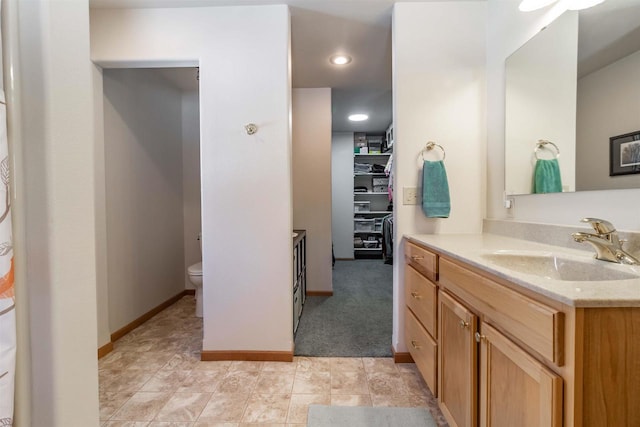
(151, 216)
(354, 319)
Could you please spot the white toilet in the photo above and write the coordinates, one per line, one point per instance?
(195, 277)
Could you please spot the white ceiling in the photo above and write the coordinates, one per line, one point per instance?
(321, 28)
(362, 29)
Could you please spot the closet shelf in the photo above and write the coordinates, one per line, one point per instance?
(370, 174)
(371, 154)
(371, 202)
(370, 193)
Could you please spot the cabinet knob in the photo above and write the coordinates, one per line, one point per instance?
(415, 345)
(464, 324)
(416, 295)
(480, 337)
(417, 257)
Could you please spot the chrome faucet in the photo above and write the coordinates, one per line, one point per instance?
(606, 242)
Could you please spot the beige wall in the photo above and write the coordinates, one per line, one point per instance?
(312, 181)
(439, 95)
(608, 105)
(191, 179)
(102, 284)
(342, 194)
(243, 54)
(143, 164)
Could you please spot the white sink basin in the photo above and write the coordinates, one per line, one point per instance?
(560, 267)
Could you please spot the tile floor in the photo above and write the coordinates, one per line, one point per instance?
(154, 377)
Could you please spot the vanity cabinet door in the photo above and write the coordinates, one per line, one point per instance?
(457, 367)
(515, 389)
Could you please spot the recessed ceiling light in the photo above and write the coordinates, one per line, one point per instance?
(358, 117)
(340, 59)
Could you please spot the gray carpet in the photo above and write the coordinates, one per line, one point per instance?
(361, 416)
(357, 320)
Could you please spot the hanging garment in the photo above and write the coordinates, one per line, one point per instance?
(387, 239)
(388, 170)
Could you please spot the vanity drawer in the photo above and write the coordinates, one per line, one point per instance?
(424, 261)
(534, 324)
(421, 297)
(423, 349)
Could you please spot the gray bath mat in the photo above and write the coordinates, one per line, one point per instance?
(367, 416)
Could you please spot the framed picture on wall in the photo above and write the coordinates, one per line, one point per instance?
(624, 154)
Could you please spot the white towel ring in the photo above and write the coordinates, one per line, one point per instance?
(542, 144)
(430, 146)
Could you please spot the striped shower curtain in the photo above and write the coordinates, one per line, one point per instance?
(7, 297)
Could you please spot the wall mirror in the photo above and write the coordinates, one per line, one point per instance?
(576, 84)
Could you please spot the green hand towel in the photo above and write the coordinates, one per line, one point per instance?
(435, 190)
(546, 177)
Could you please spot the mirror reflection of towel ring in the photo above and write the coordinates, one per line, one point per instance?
(542, 144)
(430, 146)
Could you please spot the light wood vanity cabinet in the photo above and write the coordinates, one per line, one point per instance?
(515, 389)
(420, 296)
(421, 310)
(457, 373)
(507, 356)
(422, 260)
(536, 325)
(423, 349)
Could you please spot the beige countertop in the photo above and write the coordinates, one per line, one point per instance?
(474, 248)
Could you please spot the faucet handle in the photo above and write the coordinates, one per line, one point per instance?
(600, 225)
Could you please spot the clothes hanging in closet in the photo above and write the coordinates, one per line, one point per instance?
(387, 239)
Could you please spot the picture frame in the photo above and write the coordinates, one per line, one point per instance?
(624, 154)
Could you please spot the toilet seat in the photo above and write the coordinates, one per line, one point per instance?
(195, 269)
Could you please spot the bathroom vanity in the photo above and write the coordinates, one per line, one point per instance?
(299, 275)
(509, 332)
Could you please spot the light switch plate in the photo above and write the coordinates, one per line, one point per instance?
(409, 196)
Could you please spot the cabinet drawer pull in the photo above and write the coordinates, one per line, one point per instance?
(417, 257)
(480, 337)
(416, 295)
(415, 345)
(464, 324)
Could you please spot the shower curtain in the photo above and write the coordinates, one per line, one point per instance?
(7, 297)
